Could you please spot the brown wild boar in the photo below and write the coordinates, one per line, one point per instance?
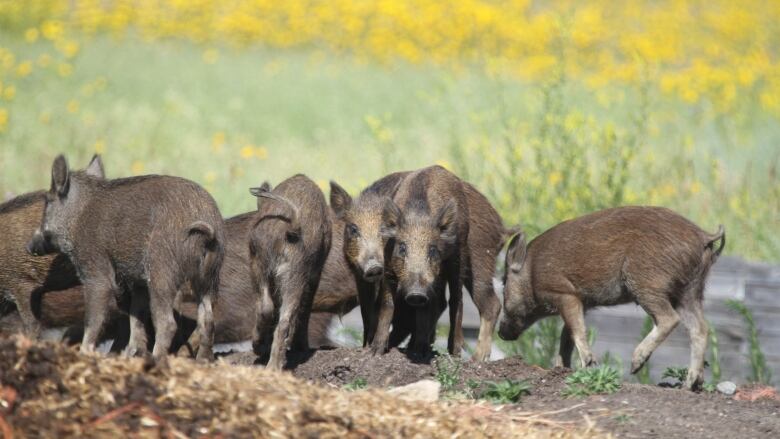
(131, 235)
(24, 278)
(235, 312)
(288, 247)
(427, 226)
(648, 255)
(361, 223)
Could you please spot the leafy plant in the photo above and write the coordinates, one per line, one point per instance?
(538, 345)
(592, 381)
(505, 392)
(676, 373)
(714, 355)
(447, 372)
(760, 372)
(356, 384)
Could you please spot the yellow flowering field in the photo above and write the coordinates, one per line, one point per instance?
(554, 108)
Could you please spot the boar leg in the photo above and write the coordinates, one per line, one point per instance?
(385, 318)
(24, 295)
(455, 339)
(367, 299)
(266, 315)
(136, 345)
(480, 285)
(162, 291)
(573, 314)
(206, 327)
(564, 352)
(291, 295)
(665, 319)
(424, 328)
(301, 336)
(692, 317)
(98, 292)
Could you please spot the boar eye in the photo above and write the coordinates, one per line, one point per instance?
(402, 249)
(433, 252)
(353, 230)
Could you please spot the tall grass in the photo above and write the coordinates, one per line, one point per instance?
(759, 370)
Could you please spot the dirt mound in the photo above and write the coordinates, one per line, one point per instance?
(49, 390)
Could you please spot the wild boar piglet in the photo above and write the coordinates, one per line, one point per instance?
(648, 255)
(140, 237)
(288, 245)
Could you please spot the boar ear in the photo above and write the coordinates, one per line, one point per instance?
(392, 218)
(340, 201)
(60, 176)
(259, 191)
(515, 253)
(95, 167)
(446, 221)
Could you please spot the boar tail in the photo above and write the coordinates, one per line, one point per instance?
(205, 250)
(292, 213)
(720, 235)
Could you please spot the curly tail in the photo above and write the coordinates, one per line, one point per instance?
(205, 251)
(291, 211)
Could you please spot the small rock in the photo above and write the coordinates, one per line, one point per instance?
(425, 390)
(727, 387)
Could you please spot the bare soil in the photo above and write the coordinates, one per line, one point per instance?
(49, 390)
(635, 411)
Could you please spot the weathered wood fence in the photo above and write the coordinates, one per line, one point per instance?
(619, 329)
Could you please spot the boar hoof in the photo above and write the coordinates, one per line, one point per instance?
(693, 382)
(377, 349)
(637, 364)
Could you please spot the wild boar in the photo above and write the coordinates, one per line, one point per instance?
(133, 235)
(360, 219)
(426, 225)
(288, 247)
(24, 278)
(648, 255)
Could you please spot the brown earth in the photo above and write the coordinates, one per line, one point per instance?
(48, 390)
(635, 411)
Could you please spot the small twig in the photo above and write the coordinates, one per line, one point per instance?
(5, 428)
(115, 413)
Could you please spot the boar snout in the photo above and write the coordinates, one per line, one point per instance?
(40, 244)
(373, 270)
(416, 297)
(509, 331)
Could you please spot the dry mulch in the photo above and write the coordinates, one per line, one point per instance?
(49, 390)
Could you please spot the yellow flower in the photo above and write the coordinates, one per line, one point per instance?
(137, 167)
(554, 178)
(45, 117)
(52, 29)
(218, 141)
(9, 93)
(68, 48)
(3, 120)
(247, 152)
(24, 69)
(31, 35)
(261, 153)
(695, 187)
(73, 106)
(210, 177)
(100, 146)
(65, 69)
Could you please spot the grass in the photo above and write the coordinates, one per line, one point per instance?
(760, 372)
(358, 383)
(505, 392)
(448, 373)
(676, 373)
(542, 152)
(592, 381)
